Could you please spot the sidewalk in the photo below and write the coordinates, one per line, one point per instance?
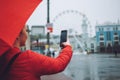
(59, 76)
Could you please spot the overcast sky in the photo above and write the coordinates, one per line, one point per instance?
(97, 11)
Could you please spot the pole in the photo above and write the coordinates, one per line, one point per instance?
(48, 33)
(48, 13)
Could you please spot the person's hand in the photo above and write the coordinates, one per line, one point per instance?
(66, 43)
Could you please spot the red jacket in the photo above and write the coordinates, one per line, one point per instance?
(30, 65)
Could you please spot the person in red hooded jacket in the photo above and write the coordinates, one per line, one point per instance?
(30, 65)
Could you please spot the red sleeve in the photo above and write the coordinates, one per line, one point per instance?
(44, 65)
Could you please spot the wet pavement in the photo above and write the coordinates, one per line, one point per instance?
(59, 76)
(94, 67)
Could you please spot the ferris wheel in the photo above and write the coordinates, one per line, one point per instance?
(76, 23)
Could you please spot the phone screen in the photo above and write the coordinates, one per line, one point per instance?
(63, 37)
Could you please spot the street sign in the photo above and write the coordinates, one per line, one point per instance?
(49, 27)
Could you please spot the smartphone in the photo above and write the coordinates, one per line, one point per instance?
(63, 37)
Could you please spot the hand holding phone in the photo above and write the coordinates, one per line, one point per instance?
(63, 37)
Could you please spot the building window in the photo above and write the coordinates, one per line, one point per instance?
(116, 28)
(113, 29)
(116, 43)
(108, 35)
(116, 38)
(101, 34)
(99, 29)
(115, 33)
(92, 45)
(101, 38)
(101, 43)
(102, 29)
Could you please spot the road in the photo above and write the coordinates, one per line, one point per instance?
(94, 67)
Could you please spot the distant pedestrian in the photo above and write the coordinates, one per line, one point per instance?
(53, 53)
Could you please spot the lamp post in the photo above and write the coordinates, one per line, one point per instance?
(48, 12)
(48, 33)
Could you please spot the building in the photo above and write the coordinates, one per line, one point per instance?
(36, 30)
(108, 37)
(37, 36)
(37, 33)
(91, 45)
